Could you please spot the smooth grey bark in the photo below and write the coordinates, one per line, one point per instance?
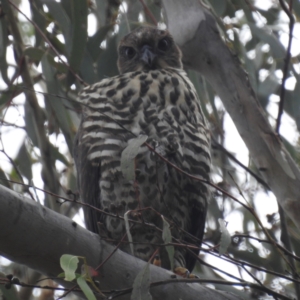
(194, 29)
(36, 236)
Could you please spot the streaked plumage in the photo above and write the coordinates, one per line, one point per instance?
(152, 96)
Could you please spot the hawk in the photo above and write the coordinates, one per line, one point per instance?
(152, 96)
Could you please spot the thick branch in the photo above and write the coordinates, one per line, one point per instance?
(36, 236)
(195, 30)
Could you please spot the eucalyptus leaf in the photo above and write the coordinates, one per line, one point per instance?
(69, 264)
(61, 17)
(128, 156)
(218, 6)
(31, 128)
(85, 288)
(3, 178)
(59, 111)
(35, 54)
(129, 236)
(268, 37)
(79, 36)
(39, 19)
(94, 42)
(24, 162)
(87, 70)
(141, 285)
(225, 237)
(3, 47)
(101, 11)
(107, 61)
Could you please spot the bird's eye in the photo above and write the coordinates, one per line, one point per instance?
(129, 52)
(163, 44)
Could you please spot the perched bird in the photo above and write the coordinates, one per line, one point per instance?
(152, 96)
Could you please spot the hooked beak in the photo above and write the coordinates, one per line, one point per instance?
(147, 55)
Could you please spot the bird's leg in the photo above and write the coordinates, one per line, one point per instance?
(179, 263)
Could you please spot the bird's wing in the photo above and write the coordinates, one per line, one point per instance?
(88, 176)
(199, 210)
(198, 218)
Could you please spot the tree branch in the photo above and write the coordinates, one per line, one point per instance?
(36, 236)
(194, 29)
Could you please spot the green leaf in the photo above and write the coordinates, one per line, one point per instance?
(167, 238)
(35, 54)
(129, 236)
(218, 6)
(269, 38)
(58, 156)
(39, 18)
(2, 179)
(85, 288)
(61, 17)
(59, 66)
(248, 63)
(30, 124)
(101, 11)
(61, 275)
(57, 104)
(268, 87)
(225, 237)
(128, 156)
(94, 42)
(69, 264)
(107, 61)
(23, 161)
(141, 285)
(87, 70)
(79, 36)
(272, 14)
(3, 47)
(6, 97)
(296, 7)
(270, 84)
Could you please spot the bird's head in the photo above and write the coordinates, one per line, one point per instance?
(148, 48)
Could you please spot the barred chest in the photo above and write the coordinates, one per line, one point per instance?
(164, 106)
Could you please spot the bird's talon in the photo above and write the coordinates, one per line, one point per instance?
(157, 261)
(185, 273)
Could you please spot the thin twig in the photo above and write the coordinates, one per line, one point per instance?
(239, 263)
(213, 251)
(268, 242)
(207, 281)
(286, 240)
(18, 172)
(217, 145)
(148, 12)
